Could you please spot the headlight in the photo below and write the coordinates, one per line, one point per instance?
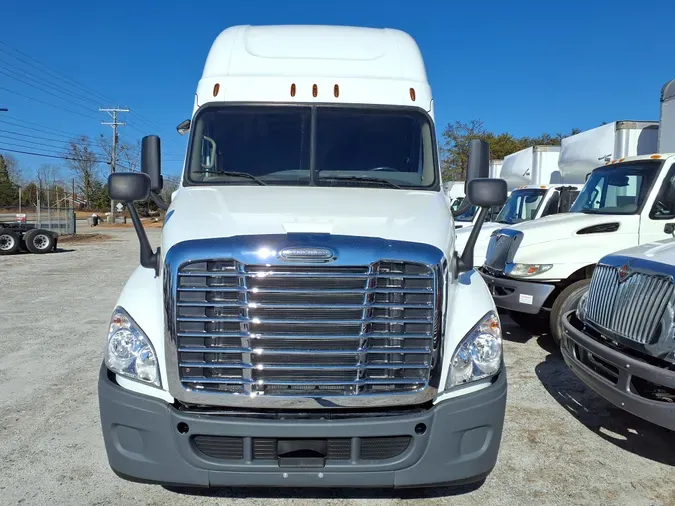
(129, 352)
(525, 270)
(479, 355)
(581, 307)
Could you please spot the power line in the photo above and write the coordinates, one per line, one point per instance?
(54, 72)
(46, 103)
(37, 127)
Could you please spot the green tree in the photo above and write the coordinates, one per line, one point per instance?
(9, 195)
(457, 136)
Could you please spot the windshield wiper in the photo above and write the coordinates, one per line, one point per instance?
(362, 178)
(233, 174)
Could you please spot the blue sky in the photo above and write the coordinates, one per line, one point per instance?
(522, 67)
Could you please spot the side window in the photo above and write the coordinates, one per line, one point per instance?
(664, 205)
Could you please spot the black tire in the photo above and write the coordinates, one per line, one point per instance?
(533, 323)
(39, 241)
(9, 242)
(566, 301)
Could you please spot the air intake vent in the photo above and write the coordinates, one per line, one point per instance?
(599, 229)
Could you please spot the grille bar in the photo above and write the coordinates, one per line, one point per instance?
(632, 309)
(305, 330)
(276, 351)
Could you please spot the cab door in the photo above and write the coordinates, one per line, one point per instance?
(658, 217)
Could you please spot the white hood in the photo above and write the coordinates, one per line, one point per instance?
(211, 212)
(554, 240)
(462, 236)
(660, 251)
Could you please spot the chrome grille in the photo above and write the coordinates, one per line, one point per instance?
(305, 331)
(632, 308)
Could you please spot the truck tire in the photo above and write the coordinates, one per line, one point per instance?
(39, 241)
(9, 242)
(533, 323)
(566, 301)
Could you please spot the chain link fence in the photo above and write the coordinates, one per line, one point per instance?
(48, 209)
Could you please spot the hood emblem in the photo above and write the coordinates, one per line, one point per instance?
(306, 254)
(624, 273)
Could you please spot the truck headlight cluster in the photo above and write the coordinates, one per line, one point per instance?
(129, 351)
(479, 354)
(527, 270)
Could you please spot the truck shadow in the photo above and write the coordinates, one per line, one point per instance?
(612, 424)
(327, 493)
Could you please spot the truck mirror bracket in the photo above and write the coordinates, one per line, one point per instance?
(149, 259)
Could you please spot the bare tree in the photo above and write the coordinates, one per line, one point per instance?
(83, 161)
(170, 186)
(14, 170)
(128, 155)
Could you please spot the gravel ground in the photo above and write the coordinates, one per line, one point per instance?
(562, 444)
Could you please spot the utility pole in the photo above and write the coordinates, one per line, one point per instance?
(113, 152)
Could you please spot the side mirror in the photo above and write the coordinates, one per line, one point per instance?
(128, 186)
(151, 161)
(484, 193)
(478, 167)
(183, 127)
(487, 193)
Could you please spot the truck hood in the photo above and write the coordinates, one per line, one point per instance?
(662, 252)
(211, 212)
(559, 226)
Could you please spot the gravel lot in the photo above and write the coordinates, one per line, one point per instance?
(562, 443)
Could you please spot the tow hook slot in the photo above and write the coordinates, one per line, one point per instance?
(302, 452)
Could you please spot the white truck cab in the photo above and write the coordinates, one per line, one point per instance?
(307, 320)
(525, 203)
(540, 269)
(620, 340)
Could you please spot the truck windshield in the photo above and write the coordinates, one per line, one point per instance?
(522, 205)
(467, 215)
(617, 189)
(321, 146)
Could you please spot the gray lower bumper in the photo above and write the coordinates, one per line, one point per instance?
(521, 296)
(581, 353)
(143, 443)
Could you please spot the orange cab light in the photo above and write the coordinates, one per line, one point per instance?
(293, 90)
(336, 91)
(216, 89)
(655, 156)
(315, 90)
(621, 160)
(412, 94)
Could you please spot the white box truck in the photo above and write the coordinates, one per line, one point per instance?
(547, 188)
(667, 123)
(307, 320)
(496, 168)
(620, 340)
(539, 269)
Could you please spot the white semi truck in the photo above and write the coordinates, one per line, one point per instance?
(620, 340)
(538, 270)
(541, 187)
(307, 320)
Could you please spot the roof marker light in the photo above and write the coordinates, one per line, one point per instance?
(336, 91)
(315, 90)
(216, 89)
(412, 94)
(293, 90)
(656, 157)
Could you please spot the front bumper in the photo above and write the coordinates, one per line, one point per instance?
(520, 296)
(586, 357)
(459, 443)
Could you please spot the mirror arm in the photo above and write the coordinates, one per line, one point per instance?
(149, 259)
(465, 262)
(159, 201)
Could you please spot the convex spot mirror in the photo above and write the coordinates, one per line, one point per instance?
(129, 186)
(487, 192)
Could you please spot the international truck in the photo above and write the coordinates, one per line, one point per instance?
(455, 190)
(541, 185)
(538, 270)
(307, 320)
(467, 215)
(620, 340)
